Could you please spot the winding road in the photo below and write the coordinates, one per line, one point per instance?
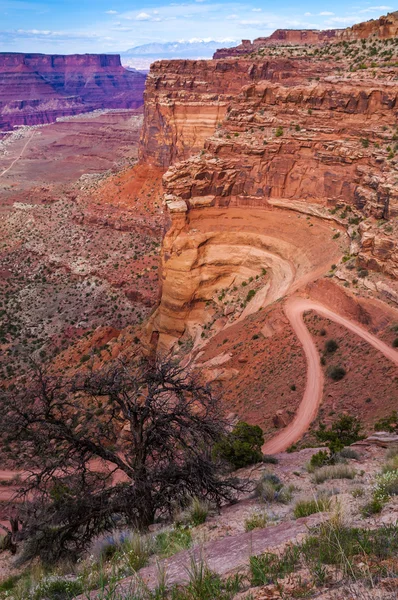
(19, 155)
(294, 309)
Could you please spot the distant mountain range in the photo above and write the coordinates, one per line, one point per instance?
(140, 57)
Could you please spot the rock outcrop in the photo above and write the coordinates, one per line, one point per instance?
(38, 88)
(248, 141)
(185, 101)
(383, 28)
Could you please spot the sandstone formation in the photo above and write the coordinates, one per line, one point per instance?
(38, 88)
(385, 27)
(186, 100)
(276, 134)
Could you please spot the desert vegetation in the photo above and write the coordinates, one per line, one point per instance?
(121, 446)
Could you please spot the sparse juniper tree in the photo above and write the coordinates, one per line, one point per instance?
(117, 447)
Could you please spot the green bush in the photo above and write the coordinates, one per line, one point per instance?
(270, 459)
(279, 132)
(257, 520)
(241, 447)
(172, 541)
(270, 489)
(331, 346)
(267, 568)
(343, 432)
(336, 372)
(389, 423)
(373, 507)
(305, 508)
(319, 459)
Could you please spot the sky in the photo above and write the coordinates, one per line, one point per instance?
(79, 26)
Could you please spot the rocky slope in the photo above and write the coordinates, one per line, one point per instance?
(286, 145)
(38, 88)
(385, 27)
(289, 190)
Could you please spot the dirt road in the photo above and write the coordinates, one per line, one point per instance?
(312, 397)
(19, 155)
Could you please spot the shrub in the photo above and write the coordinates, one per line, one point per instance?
(203, 585)
(331, 346)
(395, 343)
(319, 459)
(343, 432)
(134, 547)
(305, 508)
(267, 568)
(389, 423)
(373, 507)
(387, 486)
(195, 514)
(171, 541)
(279, 131)
(337, 372)
(257, 520)
(250, 295)
(241, 447)
(270, 489)
(339, 471)
(348, 453)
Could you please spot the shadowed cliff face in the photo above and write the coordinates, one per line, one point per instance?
(38, 88)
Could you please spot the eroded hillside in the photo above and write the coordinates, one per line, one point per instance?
(293, 195)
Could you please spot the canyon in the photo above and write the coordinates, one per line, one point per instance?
(240, 221)
(266, 176)
(39, 88)
(281, 183)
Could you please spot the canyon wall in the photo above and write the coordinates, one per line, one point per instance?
(297, 136)
(38, 88)
(185, 100)
(383, 28)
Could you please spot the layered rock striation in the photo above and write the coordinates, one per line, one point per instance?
(254, 144)
(38, 88)
(386, 27)
(185, 101)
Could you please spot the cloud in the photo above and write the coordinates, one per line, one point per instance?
(326, 13)
(143, 16)
(375, 9)
(111, 12)
(308, 14)
(257, 9)
(342, 20)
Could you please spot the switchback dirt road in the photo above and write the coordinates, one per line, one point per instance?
(294, 309)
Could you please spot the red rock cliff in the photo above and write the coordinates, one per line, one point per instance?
(383, 28)
(38, 88)
(186, 100)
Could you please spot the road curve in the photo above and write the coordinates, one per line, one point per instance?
(312, 397)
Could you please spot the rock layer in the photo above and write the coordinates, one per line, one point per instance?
(185, 100)
(385, 27)
(38, 88)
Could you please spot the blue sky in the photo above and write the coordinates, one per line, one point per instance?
(69, 26)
